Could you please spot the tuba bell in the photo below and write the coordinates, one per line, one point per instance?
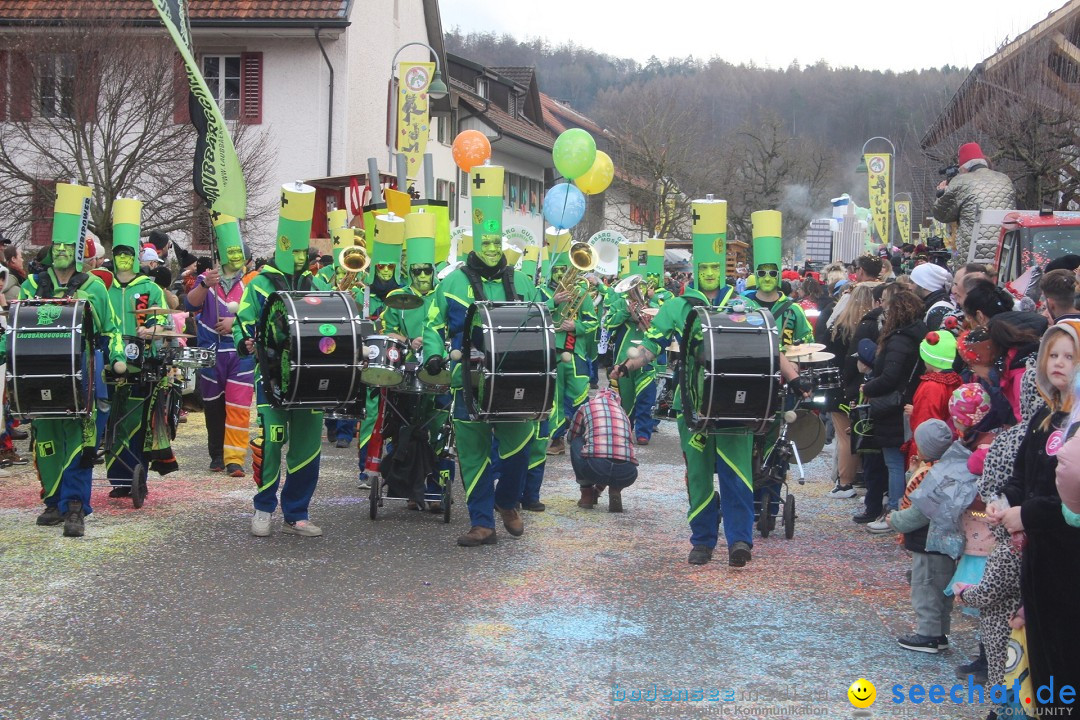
(355, 261)
(583, 259)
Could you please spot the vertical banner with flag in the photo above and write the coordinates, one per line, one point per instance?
(217, 176)
(412, 112)
(903, 220)
(877, 166)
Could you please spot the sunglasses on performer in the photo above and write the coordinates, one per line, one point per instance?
(768, 273)
(418, 271)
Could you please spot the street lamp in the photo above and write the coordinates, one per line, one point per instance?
(437, 90)
(861, 168)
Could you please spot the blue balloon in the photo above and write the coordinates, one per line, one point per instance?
(564, 206)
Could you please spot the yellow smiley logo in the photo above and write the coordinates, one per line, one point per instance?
(862, 693)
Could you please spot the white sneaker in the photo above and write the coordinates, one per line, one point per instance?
(879, 527)
(302, 528)
(842, 492)
(260, 523)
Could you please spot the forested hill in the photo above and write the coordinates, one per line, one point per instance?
(835, 108)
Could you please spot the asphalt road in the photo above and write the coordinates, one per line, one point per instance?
(175, 611)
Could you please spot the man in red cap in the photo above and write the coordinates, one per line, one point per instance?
(974, 189)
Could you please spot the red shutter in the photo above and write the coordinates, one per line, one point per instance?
(181, 92)
(41, 212)
(87, 86)
(22, 87)
(251, 87)
(3, 85)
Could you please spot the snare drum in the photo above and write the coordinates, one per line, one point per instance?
(411, 385)
(828, 388)
(385, 361)
(191, 358)
(308, 346)
(731, 370)
(513, 376)
(51, 359)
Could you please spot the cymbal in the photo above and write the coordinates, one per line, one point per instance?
(403, 302)
(795, 351)
(152, 311)
(817, 357)
(169, 334)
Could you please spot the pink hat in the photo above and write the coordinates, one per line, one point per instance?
(969, 404)
(968, 152)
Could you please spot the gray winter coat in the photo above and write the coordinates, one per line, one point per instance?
(966, 196)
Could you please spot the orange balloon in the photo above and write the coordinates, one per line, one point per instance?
(470, 148)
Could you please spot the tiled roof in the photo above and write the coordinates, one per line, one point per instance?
(560, 117)
(209, 10)
(506, 123)
(520, 75)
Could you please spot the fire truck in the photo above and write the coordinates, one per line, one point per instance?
(1028, 240)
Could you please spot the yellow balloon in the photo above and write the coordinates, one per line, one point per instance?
(599, 176)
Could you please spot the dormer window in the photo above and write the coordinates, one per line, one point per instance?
(482, 87)
(512, 104)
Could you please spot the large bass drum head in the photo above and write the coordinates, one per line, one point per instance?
(274, 349)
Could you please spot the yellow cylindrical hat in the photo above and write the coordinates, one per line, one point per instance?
(420, 225)
(336, 219)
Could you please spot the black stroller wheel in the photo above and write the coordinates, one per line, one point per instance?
(763, 516)
(789, 517)
(373, 497)
(138, 486)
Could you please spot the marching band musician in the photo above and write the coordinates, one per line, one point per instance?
(226, 386)
(301, 428)
(485, 276)
(628, 325)
(64, 449)
(572, 328)
(726, 455)
(790, 321)
(408, 326)
(534, 265)
(131, 401)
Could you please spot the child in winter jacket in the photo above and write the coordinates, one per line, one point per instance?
(936, 386)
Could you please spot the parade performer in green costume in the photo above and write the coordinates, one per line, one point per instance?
(408, 326)
(628, 324)
(131, 417)
(485, 276)
(64, 449)
(572, 328)
(300, 428)
(727, 455)
(790, 321)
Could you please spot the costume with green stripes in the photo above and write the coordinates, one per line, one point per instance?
(300, 428)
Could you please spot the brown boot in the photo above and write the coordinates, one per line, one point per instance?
(478, 536)
(557, 447)
(614, 500)
(512, 521)
(588, 497)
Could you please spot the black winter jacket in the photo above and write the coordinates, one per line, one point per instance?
(896, 368)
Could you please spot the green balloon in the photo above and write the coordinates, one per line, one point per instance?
(574, 153)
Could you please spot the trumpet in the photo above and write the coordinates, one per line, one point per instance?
(355, 261)
(583, 259)
(635, 300)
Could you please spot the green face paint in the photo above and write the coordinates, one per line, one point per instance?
(384, 272)
(63, 256)
(491, 250)
(422, 278)
(768, 278)
(123, 262)
(235, 258)
(299, 260)
(708, 276)
(557, 274)
(653, 280)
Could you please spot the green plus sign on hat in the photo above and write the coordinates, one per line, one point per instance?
(709, 231)
(226, 233)
(294, 224)
(768, 247)
(486, 186)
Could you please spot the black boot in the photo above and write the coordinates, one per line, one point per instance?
(976, 668)
(73, 521)
(51, 516)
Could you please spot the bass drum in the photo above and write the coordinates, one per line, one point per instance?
(308, 346)
(731, 370)
(510, 347)
(51, 359)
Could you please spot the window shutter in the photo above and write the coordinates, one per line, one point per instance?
(87, 86)
(251, 76)
(22, 85)
(201, 232)
(3, 85)
(181, 92)
(41, 212)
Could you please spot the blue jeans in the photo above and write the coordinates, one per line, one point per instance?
(894, 463)
(616, 474)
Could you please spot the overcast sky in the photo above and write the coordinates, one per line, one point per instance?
(877, 35)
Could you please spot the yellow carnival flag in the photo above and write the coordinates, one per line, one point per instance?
(877, 167)
(413, 112)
